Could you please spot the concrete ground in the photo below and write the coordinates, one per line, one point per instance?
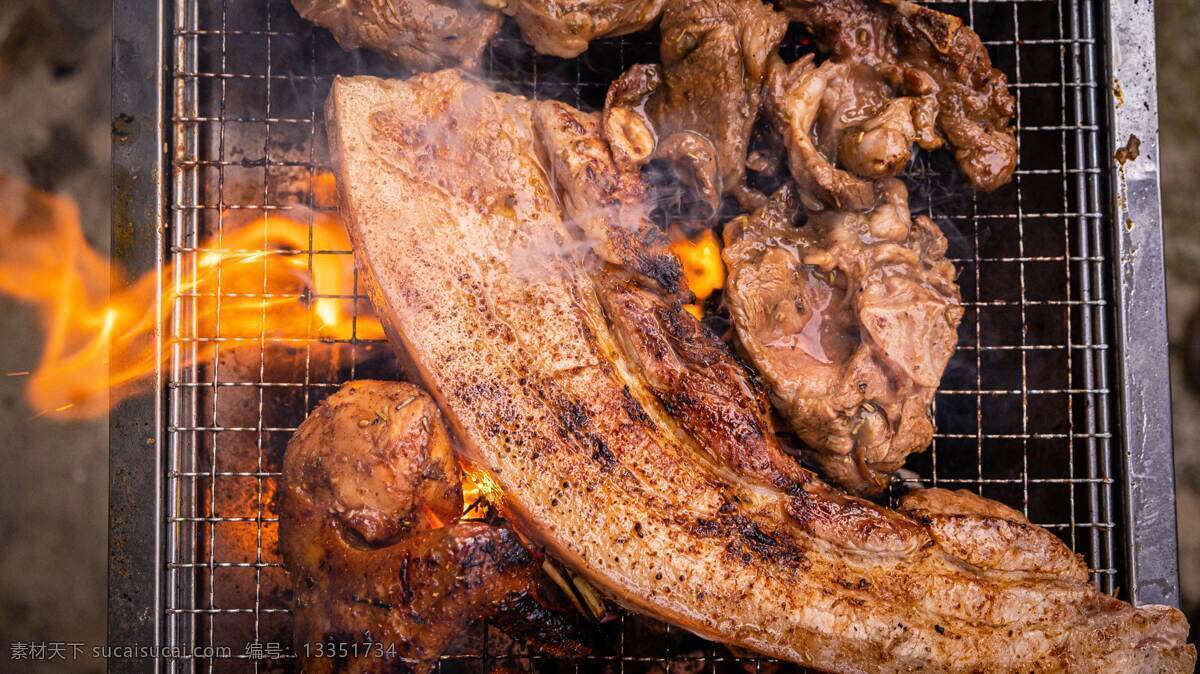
(54, 102)
(54, 69)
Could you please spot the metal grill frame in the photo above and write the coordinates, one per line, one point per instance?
(1115, 308)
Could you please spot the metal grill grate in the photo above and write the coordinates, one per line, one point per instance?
(1024, 413)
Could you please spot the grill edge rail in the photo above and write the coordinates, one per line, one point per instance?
(1144, 366)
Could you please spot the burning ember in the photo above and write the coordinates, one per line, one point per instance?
(280, 279)
(702, 267)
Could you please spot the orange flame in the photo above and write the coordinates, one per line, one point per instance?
(702, 266)
(279, 278)
(479, 488)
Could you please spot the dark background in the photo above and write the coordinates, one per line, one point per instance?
(54, 133)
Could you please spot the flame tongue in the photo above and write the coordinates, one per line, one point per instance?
(273, 278)
(703, 269)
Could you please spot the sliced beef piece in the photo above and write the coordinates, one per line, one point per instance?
(926, 53)
(418, 34)
(700, 104)
(850, 320)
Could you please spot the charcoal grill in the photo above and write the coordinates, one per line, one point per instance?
(1056, 403)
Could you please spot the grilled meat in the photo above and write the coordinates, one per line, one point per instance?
(845, 126)
(702, 101)
(708, 392)
(565, 28)
(933, 57)
(851, 321)
(371, 499)
(418, 34)
(601, 464)
(605, 199)
(795, 93)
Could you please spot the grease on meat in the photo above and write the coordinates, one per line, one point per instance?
(370, 530)
(700, 104)
(851, 321)
(926, 53)
(794, 94)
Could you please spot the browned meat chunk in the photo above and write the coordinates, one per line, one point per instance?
(565, 28)
(701, 103)
(851, 321)
(847, 114)
(923, 52)
(697, 378)
(371, 498)
(795, 94)
(418, 34)
(598, 461)
(604, 199)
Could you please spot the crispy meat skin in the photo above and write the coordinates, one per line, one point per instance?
(419, 34)
(592, 462)
(371, 496)
(702, 101)
(851, 321)
(919, 48)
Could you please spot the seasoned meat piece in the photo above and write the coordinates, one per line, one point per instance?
(870, 119)
(882, 145)
(418, 34)
(702, 101)
(564, 29)
(928, 53)
(607, 200)
(851, 321)
(371, 497)
(848, 30)
(598, 460)
(990, 535)
(847, 114)
(975, 107)
(794, 95)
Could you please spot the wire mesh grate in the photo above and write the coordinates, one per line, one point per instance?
(1023, 415)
